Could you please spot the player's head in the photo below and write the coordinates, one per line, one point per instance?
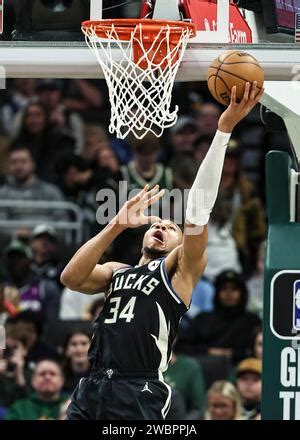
(161, 238)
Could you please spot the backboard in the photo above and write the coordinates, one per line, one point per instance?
(221, 25)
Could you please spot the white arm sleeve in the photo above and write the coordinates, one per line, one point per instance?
(203, 193)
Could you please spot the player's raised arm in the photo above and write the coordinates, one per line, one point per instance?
(203, 194)
(83, 273)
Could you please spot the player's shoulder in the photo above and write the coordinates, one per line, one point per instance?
(116, 266)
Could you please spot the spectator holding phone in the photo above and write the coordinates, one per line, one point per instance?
(12, 377)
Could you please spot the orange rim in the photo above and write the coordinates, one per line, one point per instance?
(125, 26)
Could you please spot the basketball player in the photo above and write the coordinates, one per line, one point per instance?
(134, 333)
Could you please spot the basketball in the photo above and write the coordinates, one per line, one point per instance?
(233, 68)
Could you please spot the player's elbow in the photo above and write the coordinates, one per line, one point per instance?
(67, 279)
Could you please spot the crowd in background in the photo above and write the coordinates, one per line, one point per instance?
(56, 154)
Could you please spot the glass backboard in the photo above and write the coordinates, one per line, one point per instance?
(42, 38)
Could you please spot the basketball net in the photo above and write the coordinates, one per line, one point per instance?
(141, 79)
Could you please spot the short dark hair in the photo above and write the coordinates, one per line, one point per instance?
(149, 144)
(20, 146)
(54, 361)
(30, 316)
(73, 333)
(68, 161)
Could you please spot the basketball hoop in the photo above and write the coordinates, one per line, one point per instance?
(140, 81)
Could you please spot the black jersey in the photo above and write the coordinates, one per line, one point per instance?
(138, 323)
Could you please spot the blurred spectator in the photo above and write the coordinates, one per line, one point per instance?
(23, 92)
(17, 258)
(227, 330)
(22, 184)
(96, 139)
(26, 289)
(44, 140)
(108, 161)
(184, 170)
(75, 177)
(12, 379)
(222, 252)
(87, 97)
(223, 402)
(255, 284)
(184, 374)
(183, 135)
(47, 267)
(96, 308)
(247, 217)
(258, 343)
(75, 305)
(45, 402)
(75, 364)
(44, 248)
(248, 383)
(27, 326)
(256, 350)
(202, 300)
(102, 158)
(80, 181)
(201, 147)
(50, 95)
(7, 308)
(145, 167)
(207, 117)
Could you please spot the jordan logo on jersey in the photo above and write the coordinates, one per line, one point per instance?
(146, 388)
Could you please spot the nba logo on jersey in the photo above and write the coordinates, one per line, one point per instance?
(297, 304)
(153, 264)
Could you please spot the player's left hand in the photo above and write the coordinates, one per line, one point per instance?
(131, 215)
(236, 111)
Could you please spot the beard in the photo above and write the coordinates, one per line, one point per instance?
(153, 253)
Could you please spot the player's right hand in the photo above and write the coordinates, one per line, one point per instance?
(131, 215)
(239, 110)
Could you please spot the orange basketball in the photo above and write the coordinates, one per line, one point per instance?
(233, 68)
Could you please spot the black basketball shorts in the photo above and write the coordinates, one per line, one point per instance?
(110, 395)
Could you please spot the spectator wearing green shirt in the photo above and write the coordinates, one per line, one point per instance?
(185, 375)
(45, 403)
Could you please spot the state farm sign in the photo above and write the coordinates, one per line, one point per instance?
(204, 15)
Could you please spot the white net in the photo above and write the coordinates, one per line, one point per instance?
(140, 92)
